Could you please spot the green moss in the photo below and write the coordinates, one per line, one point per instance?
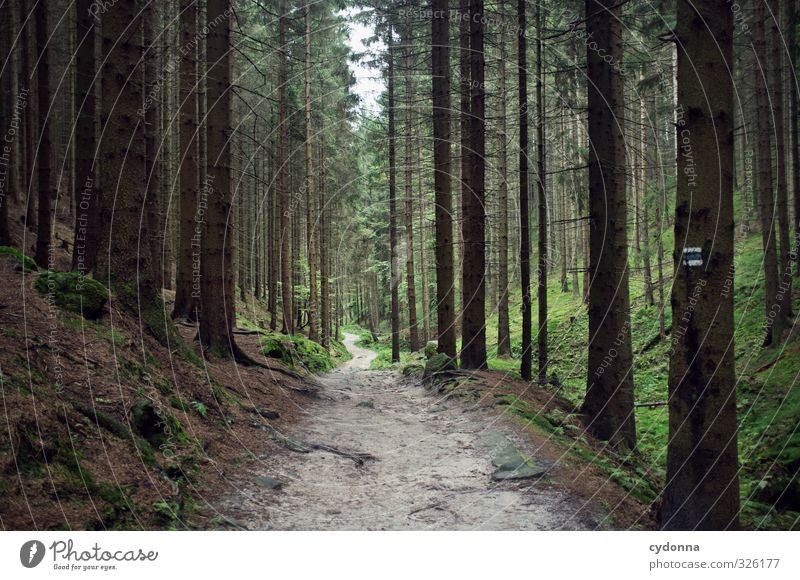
(73, 292)
(438, 363)
(178, 403)
(297, 352)
(430, 348)
(628, 473)
(168, 513)
(26, 262)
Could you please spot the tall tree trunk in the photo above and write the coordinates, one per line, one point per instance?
(463, 151)
(409, 195)
(124, 260)
(473, 324)
(776, 310)
(608, 406)
(217, 298)
(152, 142)
(323, 246)
(575, 186)
(394, 266)
(562, 206)
(44, 221)
(272, 231)
(702, 489)
(794, 113)
(776, 101)
(642, 210)
(440, 72)
(423, 244)
(311, 195)
(29, 129)
(84, 253)
(524, 197)
(9, 161)
(284, 208)
(541, 178)
(503, 327)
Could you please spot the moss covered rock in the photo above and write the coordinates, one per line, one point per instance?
(74, 292)
(297, 352)
(438, 363)
(413, 369)
(277, 348)
(26, 262)
(148, 424)
(430, 348)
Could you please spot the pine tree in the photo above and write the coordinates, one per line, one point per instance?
(190, 231)
(44, 220)
(217, 296)
(473, 324)
(702, 491)
(608, 405)
(524, 196)
(440, 73)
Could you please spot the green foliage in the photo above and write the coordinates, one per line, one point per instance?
(168, 512)
(200, 408)
(26, 262)
(73, 292)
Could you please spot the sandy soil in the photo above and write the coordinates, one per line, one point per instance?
(432, 466)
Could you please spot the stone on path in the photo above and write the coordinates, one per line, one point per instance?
(509, 461)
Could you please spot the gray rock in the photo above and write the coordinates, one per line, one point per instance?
(269, 482)
(510, 462)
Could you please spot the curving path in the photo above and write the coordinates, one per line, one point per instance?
(432, 468)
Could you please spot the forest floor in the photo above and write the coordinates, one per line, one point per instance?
(379, 451)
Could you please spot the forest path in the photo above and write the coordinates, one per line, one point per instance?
(432, 466)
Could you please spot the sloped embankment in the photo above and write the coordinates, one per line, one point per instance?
(103, 428)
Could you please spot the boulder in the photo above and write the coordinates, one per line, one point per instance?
(430, 348)
(438, 363)
(74, 292)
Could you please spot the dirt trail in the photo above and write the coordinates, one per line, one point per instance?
(432, 468)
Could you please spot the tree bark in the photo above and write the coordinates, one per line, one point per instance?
(608, 406)
(394, 266)
(29, 129)
(643, 212)
(776, 97)
(44, 221)
(124, 261)
(541, 192)
(473, 325)
(323, 247)
(84, 252)
(152, 143)
(8, 153)
(408, 213)
(285, 210)
(423, 244)
(503, 327)
(311, 195)
(524, 197)
(217, 292)
(702, 489)
(776, 307)
(794, 113)
(440, 72)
